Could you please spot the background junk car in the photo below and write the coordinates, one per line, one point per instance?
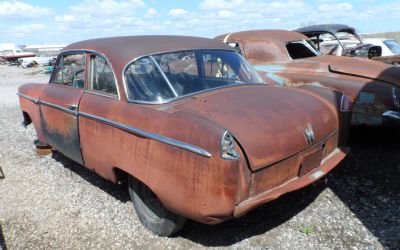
(187, 121)
(342, 40)
(339, 40)
(290, 59)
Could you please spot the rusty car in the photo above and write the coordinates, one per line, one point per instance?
(343, 40)
(290, 59)
(186, 122)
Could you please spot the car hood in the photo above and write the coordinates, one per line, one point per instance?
(267, 121)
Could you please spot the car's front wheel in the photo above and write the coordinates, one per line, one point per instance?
(151, 212)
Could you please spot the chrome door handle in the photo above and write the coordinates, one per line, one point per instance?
(72, 107)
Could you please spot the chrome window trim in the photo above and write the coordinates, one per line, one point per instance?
(102, 94)
(113, 72)
(164, 75)
(68, 52)
(252, 69)
(137, 131)
(306, 44)
(89, 52)
(191, 94)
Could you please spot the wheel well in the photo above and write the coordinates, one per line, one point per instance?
(27, 119)
(121, 176)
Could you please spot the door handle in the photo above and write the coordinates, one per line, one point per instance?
(72, 107)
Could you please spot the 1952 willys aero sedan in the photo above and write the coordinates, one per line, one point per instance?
(187, 122)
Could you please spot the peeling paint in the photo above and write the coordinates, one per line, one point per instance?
(269, 67)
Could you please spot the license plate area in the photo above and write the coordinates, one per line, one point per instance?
(311, 161)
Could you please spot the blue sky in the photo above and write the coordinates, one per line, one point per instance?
(43, 22)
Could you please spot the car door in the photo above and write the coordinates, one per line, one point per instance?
(99, 101)
(59, 104)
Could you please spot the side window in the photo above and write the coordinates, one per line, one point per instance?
(70, 70)
(299, 50)
(145, 82)
(216, 66)
(101, 76)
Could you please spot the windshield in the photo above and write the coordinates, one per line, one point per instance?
(393, 46)
(164, 77)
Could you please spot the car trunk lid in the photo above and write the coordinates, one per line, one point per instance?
(269, 122)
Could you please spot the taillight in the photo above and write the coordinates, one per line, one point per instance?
(346, 104)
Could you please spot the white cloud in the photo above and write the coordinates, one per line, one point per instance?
(101, 15)
(29, 28)
(221, 4)
(225, 14)
(65, 18)
(17, 10)
(177, 12)
(152, 13)
(337, 7)
(107, 7)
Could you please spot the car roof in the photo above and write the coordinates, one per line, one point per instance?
(263, 35)
(122, 50)
(262, 45)
(323, 28)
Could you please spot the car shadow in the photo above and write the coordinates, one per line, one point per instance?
(120, 192)
(369, 182)
(3, 245)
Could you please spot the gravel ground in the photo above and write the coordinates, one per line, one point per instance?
(51, 202)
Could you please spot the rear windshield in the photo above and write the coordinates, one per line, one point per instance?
(393, 46)
(301, 49)
(164, 77)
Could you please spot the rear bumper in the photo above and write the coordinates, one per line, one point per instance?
(327, 165)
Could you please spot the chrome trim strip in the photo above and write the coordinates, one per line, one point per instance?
(165, 76)
(156, 137)
(51, 105)
(149, 135)
(103, 94)
(34, 100)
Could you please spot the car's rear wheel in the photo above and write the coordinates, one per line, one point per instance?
(151, 212)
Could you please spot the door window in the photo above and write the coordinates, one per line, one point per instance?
(102, 76)
(70, 70)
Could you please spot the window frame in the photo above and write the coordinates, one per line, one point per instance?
(67, 53)
(306, 44)
(88, 88)
(262, 82)
(87, 54)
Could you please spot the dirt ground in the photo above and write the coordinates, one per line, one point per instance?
(51, 202)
